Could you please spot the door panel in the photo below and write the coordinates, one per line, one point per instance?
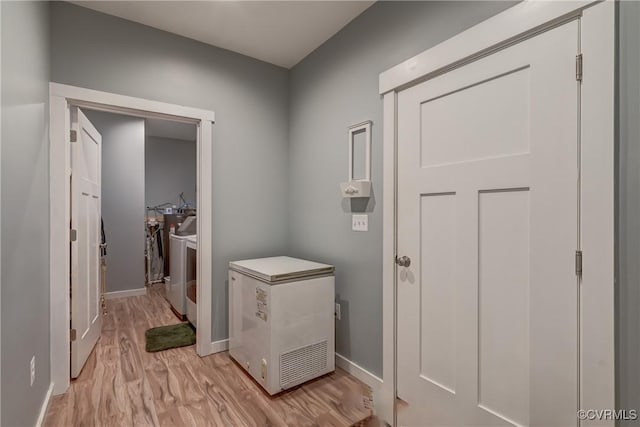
(503, 329)
(85, 251)
(487, 211)
(485, 132)
(438, 304)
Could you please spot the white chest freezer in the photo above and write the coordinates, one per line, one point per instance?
(281, 320)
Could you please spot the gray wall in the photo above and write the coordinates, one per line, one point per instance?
(170, 168)
(628, 211)
(249, 97)
(25, 208)
(123, 189)
(334, 87)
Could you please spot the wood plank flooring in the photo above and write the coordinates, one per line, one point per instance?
(123, 385)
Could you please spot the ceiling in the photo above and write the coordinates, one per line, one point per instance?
(169, 129)
(279, 32)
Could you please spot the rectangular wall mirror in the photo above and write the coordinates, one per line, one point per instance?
(360, 152)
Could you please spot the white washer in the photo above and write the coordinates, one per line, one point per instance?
(191, 282)
(177, 270)
(281, 320)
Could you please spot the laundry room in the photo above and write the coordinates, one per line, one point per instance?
(148, 209)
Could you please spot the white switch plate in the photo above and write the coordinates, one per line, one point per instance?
(360, 222)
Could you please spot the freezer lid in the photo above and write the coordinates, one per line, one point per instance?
(281, 268)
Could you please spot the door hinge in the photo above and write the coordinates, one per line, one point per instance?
(579, 263)
(73, 235)
(579, 67)
(72, 334)
(73, 136)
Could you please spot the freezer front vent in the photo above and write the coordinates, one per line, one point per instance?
(302, 363)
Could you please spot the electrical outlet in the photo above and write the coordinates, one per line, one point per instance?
(337, 312)
(360, 222)
(33, 370)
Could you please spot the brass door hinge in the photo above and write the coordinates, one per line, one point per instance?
(72, 334)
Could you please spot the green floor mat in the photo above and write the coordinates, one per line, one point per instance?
(172, 336)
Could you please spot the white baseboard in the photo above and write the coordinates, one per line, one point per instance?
(127, 293)
(45, 406)
(359, 372)
(374, 382)
(219, 346)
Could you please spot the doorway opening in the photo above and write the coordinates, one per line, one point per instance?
(64, 101)
(146, 168)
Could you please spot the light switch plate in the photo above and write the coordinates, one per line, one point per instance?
(360, 222)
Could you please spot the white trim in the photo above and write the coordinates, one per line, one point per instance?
(385, 407)
(359, 372)
(219, 346)
(61, 98)
(125, 294)
(597, 297)
(105, 101)
(374, 382)
(44, 407)
(597, 32)
(0, 223)
(205, 238)
(523, 19)
(59, 267)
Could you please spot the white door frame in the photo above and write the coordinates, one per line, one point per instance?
(597, 38)
(61, 97)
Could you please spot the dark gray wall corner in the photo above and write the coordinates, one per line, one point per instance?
(332, 88)
(25, 207)
(628, 211)
(249, 97)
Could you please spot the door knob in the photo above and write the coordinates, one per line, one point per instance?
(403, 261)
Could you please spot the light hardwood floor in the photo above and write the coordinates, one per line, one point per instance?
(123, 385)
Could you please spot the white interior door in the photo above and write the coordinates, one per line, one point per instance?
(85, 250)
(487, 214)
